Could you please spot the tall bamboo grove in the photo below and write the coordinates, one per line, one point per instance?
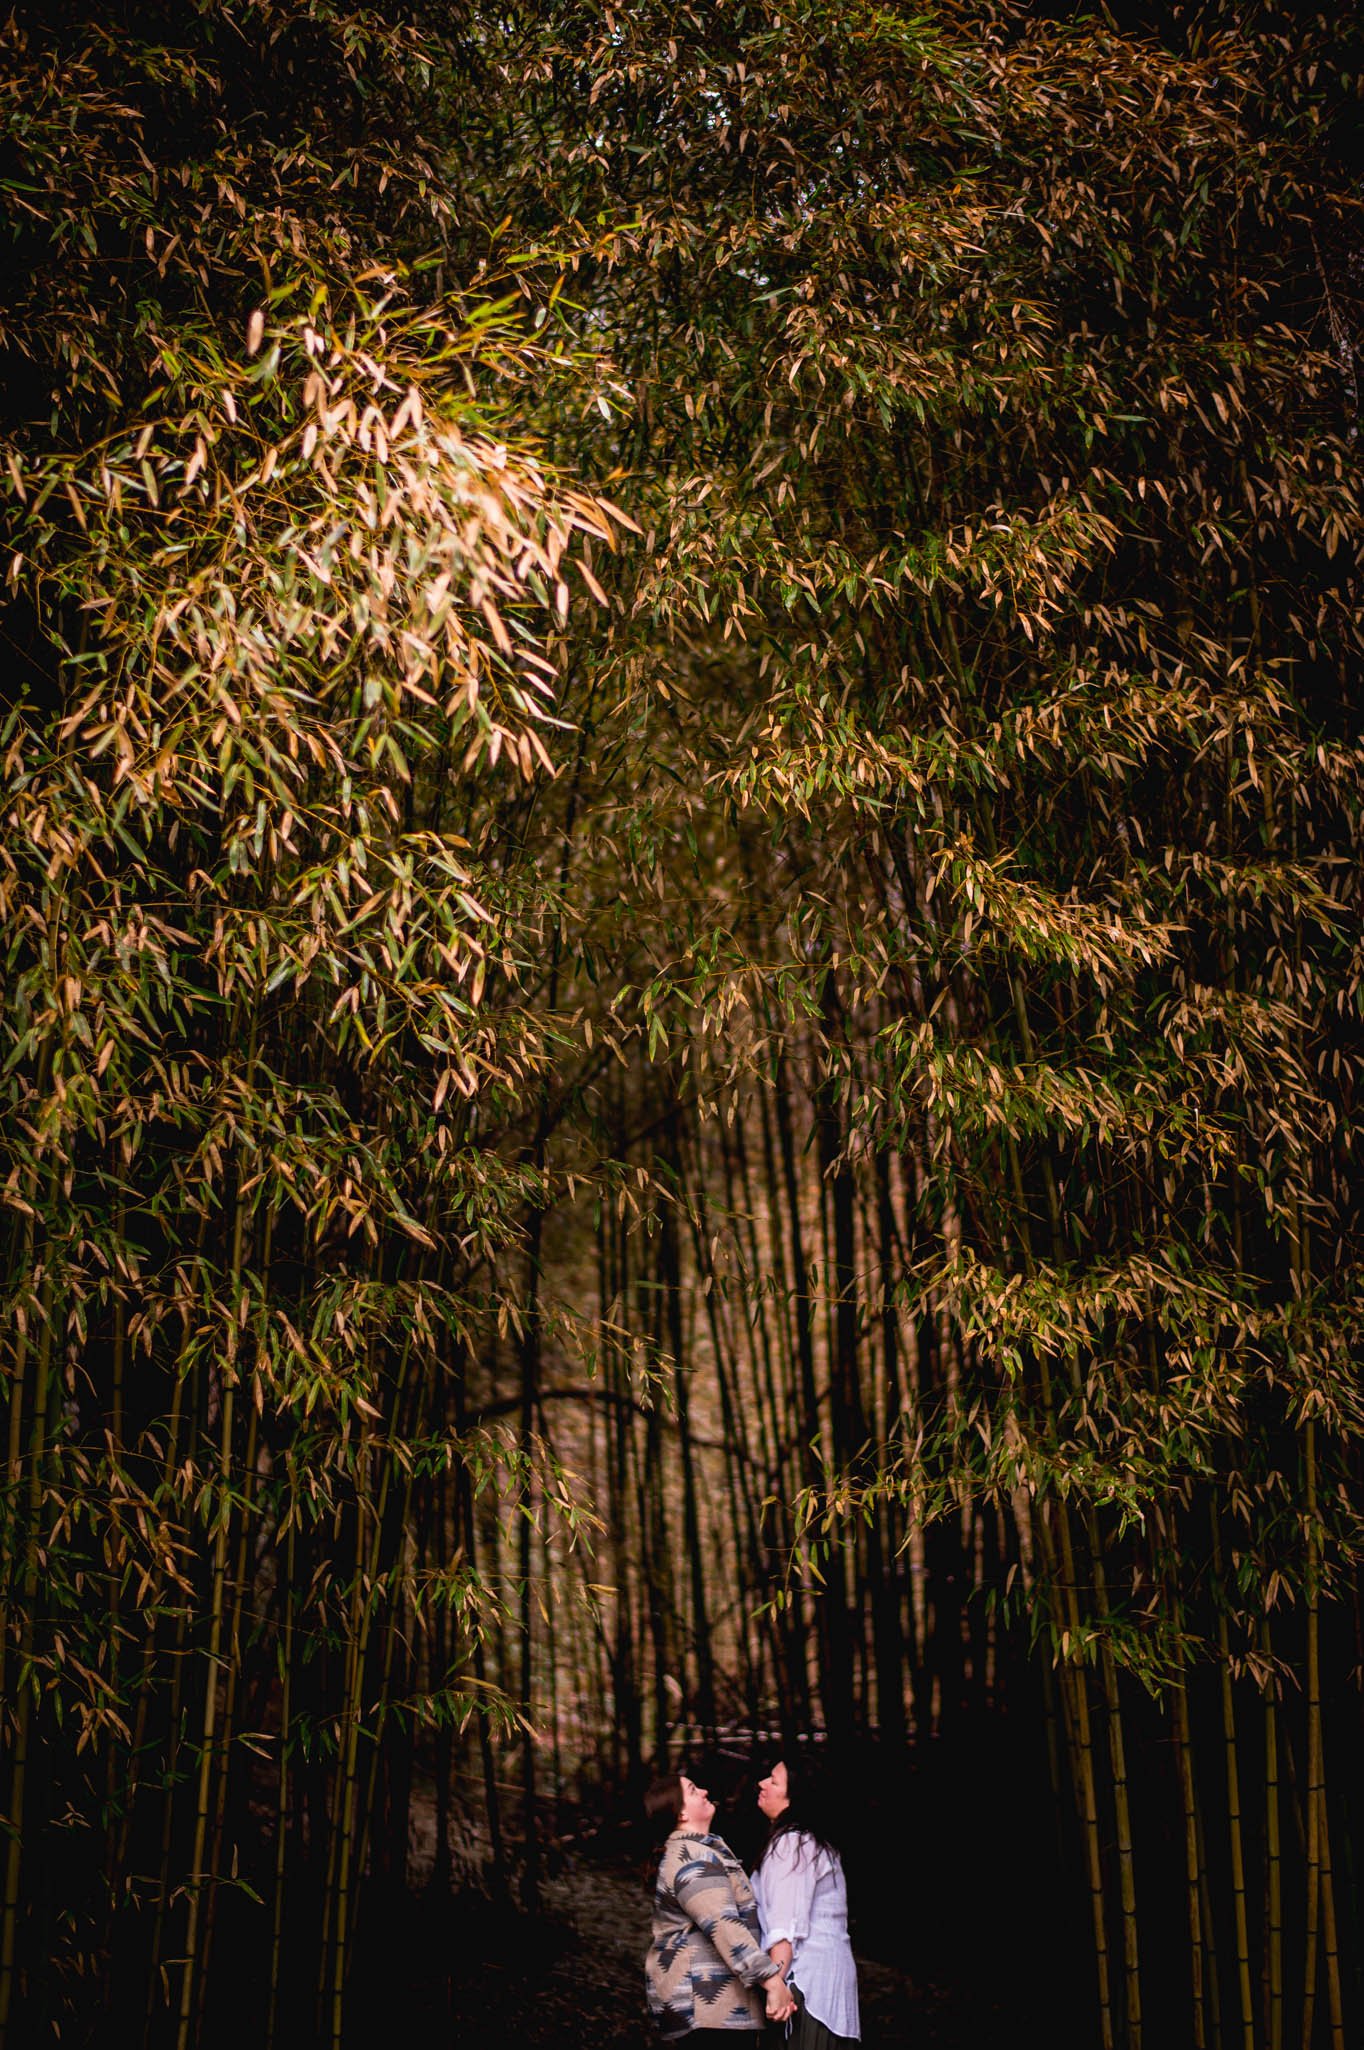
(681, 1017)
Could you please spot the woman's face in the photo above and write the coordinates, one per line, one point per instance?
(698, 1810)
(774, 1793)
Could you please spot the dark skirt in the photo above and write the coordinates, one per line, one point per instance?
(720, 2039)
(805, 2033)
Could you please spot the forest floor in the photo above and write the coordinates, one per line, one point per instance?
(573, 1976)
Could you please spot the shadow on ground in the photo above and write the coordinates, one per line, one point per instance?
(471, 1973)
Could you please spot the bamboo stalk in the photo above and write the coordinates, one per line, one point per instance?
(24, 1704)
(1312, 1802)
(21, 1537)
(890, 1650)
(1273, 1861)
(286, 1670)
(1122, 1813)
(1089, 1799)
(442, 1863)
(1331, 1944)
(627, 1694)
(1234, 1835)
(113, 1862)
(14, 1450)
(670, 1285)
(208, 1736)
(14, 1471)
(347, 1788)
(350, 1859)
(1117, 1749)
(402, 1524)
(1192, 1860)
(188, 1367)
(467, 1529)
(530, 1380)
(1089, 1805)
(794, 1638)
(847, 1420)
(739, 1330)
(333, 1953)
(734, 1412)
(231, 1679)
(1212, 1979)
(208, 1748)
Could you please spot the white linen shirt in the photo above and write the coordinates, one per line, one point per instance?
(802, 1900)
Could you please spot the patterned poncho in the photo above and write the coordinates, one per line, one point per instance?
(705, 1965)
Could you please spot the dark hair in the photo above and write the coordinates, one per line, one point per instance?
(663, 1804)
(811, 1811)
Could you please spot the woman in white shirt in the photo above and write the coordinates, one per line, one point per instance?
(803, 1911)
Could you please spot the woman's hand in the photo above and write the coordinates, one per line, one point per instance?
(781, 2003)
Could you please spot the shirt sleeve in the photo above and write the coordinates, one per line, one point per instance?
(789, 1872)
(703, 1891)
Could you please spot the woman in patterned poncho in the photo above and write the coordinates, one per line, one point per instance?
(708, 1977)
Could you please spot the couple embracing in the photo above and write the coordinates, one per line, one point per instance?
(730, 1954)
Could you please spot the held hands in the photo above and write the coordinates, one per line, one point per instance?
(781, 2004)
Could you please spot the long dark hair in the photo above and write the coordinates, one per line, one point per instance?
(812, 1813)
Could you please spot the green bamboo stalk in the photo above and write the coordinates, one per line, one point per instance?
(348, 1788)
(468, 1524)
(1116, 1745)
(845, 1684)
(1212, 1977)
(11, 1527)
(24, 1704)
(1273, 1858)
(1330, 1944)
(341, 1919)
(20, 1536)
(231, 1679)
(286, 1672)
(750, 1314)
(402, 1524)
(1192, 1861)
(1122, 1814)
(147, 1663)
(113, 1866)
(1089, 1799)
(331, 1949)
(1084, 1748)
(1312, 1802)
(14, 1455)
(553, 1703)
(208, 1736)
(890, 1657)
(189, 1368)
(529, 1359)
(735, 1413)
(670, 1286)
(795, 1639)
(442, 1864)
(824, 1656)
(1233, 1773)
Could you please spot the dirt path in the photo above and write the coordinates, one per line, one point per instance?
(573, 1977)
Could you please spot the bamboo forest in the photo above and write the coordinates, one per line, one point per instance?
(683, 996)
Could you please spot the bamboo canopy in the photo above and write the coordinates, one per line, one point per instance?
(681, 788)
